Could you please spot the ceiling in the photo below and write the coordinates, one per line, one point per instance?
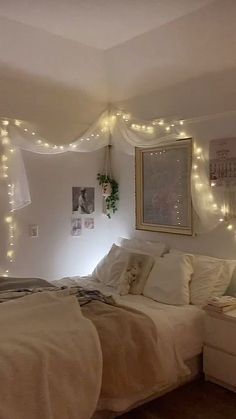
(99, 24)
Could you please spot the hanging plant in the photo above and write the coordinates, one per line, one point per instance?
(110, 192)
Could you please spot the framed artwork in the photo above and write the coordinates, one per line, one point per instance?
(163, 188)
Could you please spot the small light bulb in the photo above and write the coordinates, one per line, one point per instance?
(10, 253)
(26, 129)
(5, 122)
(183, 134)
(229, 227)
(33, 133)
(4, 132)
(195, 166)
(168, 128)
(181, 122)
(17, 122)
(198, 150)
(161, 122)
(61, 147)
(221, 220)
(39, 141)
(8, 219)
(213, 184)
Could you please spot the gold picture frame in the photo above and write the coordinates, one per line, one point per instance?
(163, 188)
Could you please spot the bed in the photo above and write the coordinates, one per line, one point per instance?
(181, 333)
(141, 347)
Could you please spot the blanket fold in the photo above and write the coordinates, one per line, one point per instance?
(50, 359)
(132, 366)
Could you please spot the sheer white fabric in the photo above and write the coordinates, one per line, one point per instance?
(210, 203)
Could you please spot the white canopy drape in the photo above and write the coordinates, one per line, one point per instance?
(126, 133)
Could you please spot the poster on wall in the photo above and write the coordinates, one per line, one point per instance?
(89, 223)
(82, 200)
(76, 227)
(222, 162)
(163, 188)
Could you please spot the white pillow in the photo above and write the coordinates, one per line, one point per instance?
(211, 277)
(168, 281)
(124, 269)
(111, 266)
(155, 249)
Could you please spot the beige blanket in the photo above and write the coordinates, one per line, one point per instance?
(132, 366)
(50, 359)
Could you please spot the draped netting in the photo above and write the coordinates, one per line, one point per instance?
(125, 132)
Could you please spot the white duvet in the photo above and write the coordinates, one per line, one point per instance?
(50, 359)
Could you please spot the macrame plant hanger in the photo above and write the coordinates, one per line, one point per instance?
(106, 186)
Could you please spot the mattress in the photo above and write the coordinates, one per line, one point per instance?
(187, 322)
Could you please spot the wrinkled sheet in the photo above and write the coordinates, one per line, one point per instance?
(50, 359)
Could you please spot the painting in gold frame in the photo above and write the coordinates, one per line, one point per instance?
(163, 188)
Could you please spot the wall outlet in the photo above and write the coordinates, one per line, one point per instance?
(33, 230)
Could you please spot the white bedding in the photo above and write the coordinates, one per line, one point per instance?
(185, 321)
(50, 359)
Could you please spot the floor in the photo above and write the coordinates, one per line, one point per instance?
(198, 400)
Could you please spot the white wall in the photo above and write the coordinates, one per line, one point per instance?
(55, 253)
(57, 85)
(60, 87)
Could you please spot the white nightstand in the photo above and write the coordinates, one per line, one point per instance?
(219, 353)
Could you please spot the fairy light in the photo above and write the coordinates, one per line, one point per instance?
(5, 123)
(4, 158)
(5, 141)
(8, 219)
(17, 122)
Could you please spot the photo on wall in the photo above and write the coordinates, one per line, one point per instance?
(82, 200)
(89, 223)
(76, 226)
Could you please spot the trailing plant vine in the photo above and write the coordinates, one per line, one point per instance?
(113, 198)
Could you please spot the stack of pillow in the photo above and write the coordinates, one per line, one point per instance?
(176, 278)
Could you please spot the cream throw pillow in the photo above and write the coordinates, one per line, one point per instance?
(169, 279)
(124, 269)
